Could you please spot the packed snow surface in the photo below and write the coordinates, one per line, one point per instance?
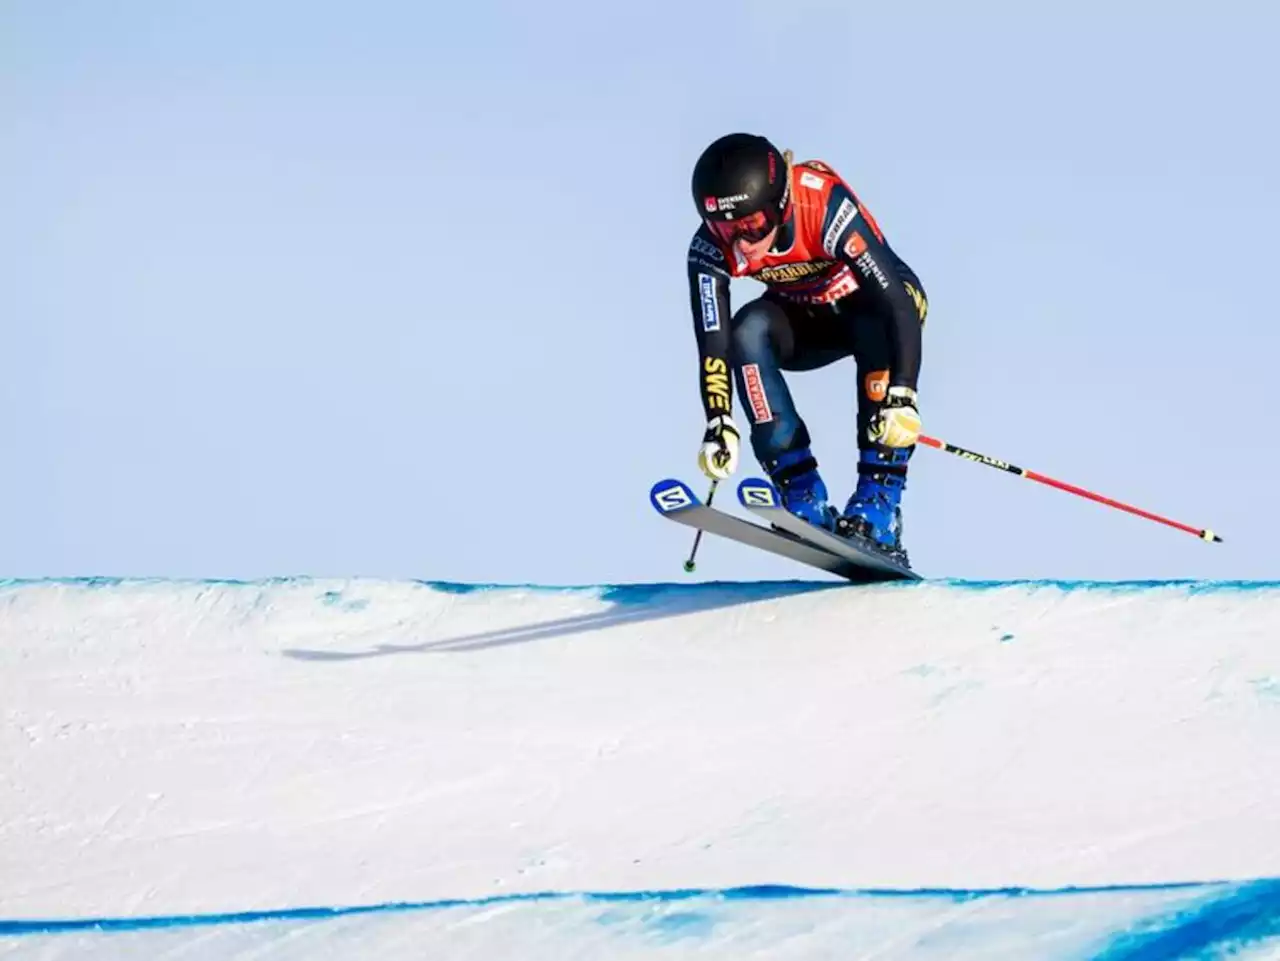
(782, 770)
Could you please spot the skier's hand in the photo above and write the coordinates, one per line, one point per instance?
(898, 422)
(718, 457)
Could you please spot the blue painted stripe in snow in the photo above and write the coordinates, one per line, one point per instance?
(1246, 913)
(1243, 904)
(643, 592)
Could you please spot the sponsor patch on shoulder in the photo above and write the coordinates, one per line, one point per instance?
(812, 181)
(855, 246)
(845, 213)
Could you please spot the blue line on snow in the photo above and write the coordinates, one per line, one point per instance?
(1248, 912)
(1260, 895)
(645, 591)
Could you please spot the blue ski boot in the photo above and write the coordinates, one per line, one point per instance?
(873, 512)
(796, 476)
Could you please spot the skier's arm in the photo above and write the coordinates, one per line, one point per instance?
(854, 238)
(709, 302)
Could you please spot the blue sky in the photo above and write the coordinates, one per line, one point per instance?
(375, 289)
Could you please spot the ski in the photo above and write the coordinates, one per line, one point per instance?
(761, 498)
(675, 501)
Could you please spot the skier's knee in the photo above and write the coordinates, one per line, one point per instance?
(755, 330)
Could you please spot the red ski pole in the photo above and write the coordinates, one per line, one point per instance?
(1203, 533)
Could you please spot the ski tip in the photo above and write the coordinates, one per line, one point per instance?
(671, 495)
(757, 492)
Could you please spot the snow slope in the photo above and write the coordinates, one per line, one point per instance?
(595, 772)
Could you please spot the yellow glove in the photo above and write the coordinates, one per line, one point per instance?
(897, 424)
(718, 457)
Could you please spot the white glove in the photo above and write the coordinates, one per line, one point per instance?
(898, 422)
(721, 444)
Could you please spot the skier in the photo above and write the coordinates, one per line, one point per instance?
(834, 289)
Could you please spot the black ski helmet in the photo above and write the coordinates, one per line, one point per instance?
(741, 174)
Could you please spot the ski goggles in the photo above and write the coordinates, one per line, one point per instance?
(752, 228)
